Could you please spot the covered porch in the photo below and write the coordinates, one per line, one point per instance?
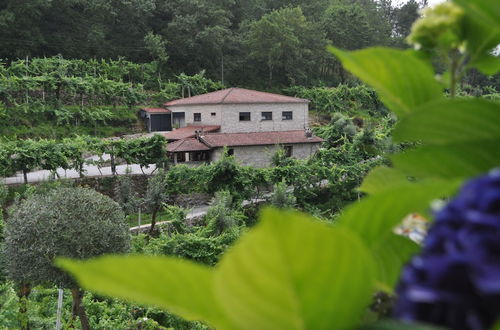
(189, 150)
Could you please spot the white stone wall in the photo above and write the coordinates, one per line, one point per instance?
(260, 156)
(205, 110)
(227, 116)
(231, 122)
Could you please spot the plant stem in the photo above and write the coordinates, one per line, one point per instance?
(453, 73)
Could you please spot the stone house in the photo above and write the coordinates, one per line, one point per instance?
(251, 124)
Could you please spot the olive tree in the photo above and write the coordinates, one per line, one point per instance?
(76, 223)
(281, 197)
(156, 196)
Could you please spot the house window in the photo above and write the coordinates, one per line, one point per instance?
(268, 115)
(213, 114)
(287, 115)
(288, 151)
(197, 116)
(244, 116)
(198, 156)
(230, 152)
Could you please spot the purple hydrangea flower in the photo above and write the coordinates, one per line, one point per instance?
(455, 280)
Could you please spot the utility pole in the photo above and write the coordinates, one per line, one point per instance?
(222, 68)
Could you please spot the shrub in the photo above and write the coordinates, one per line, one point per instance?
(66, 222)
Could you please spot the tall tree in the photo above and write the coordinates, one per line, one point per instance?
(198, 31)
(347, 26)
(286, 44)
(403, 18)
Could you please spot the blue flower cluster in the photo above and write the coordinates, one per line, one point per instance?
(455, 281)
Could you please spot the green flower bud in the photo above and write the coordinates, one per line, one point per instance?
(440, 27)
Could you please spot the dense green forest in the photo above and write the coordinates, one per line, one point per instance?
(223, 37)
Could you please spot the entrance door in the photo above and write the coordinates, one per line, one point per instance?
(160, 122)
(178, 119)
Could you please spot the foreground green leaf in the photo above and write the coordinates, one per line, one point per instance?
(181, 286)
(376, 216)
(382, 178)
(397, 325)
(402, 80)
(482, 33)
(391, 254)
(454, 160)
(451, 121)
(488, 64)
(487, 11)
(266, 281)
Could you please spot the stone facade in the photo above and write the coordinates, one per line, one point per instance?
(250, 123)
(260, 156)
(227, 116)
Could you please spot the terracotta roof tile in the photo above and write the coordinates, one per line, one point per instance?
(156, 110)
(188, 131)
(258, 138)
(234, 96)
(186, 145)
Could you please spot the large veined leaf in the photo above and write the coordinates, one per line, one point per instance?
(487, 11)
(289, 272)
(391, 253)
(376, 216)
(382, 178)
(293, 273)
(402, 80)
(451, 121)
(181, 286)
(488, 64)
(397, 325)
(482, 32)
(454, 160)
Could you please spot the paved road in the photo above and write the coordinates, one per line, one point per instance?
(194, 214)
(89, 171)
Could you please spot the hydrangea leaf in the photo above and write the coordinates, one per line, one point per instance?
(454, 160)
(376, 216)
(391, 253)
(180, 286)
(382, 178)
(487, 11)
(266, 281)
(488, 64)
(269, 280)
(402, 80)
(482, 32)
(396, 325)
(449, 121)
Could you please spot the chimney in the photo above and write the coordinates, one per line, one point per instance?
(308, 133)
(199, 134)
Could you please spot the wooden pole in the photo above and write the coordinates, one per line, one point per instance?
(139, 221)
(59, 308)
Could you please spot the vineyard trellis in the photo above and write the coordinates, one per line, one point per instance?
(73, 153)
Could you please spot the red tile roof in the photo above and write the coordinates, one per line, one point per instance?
(188, 132)
(258, 138)
(156, 110)
(186, 145)
(236, 95)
